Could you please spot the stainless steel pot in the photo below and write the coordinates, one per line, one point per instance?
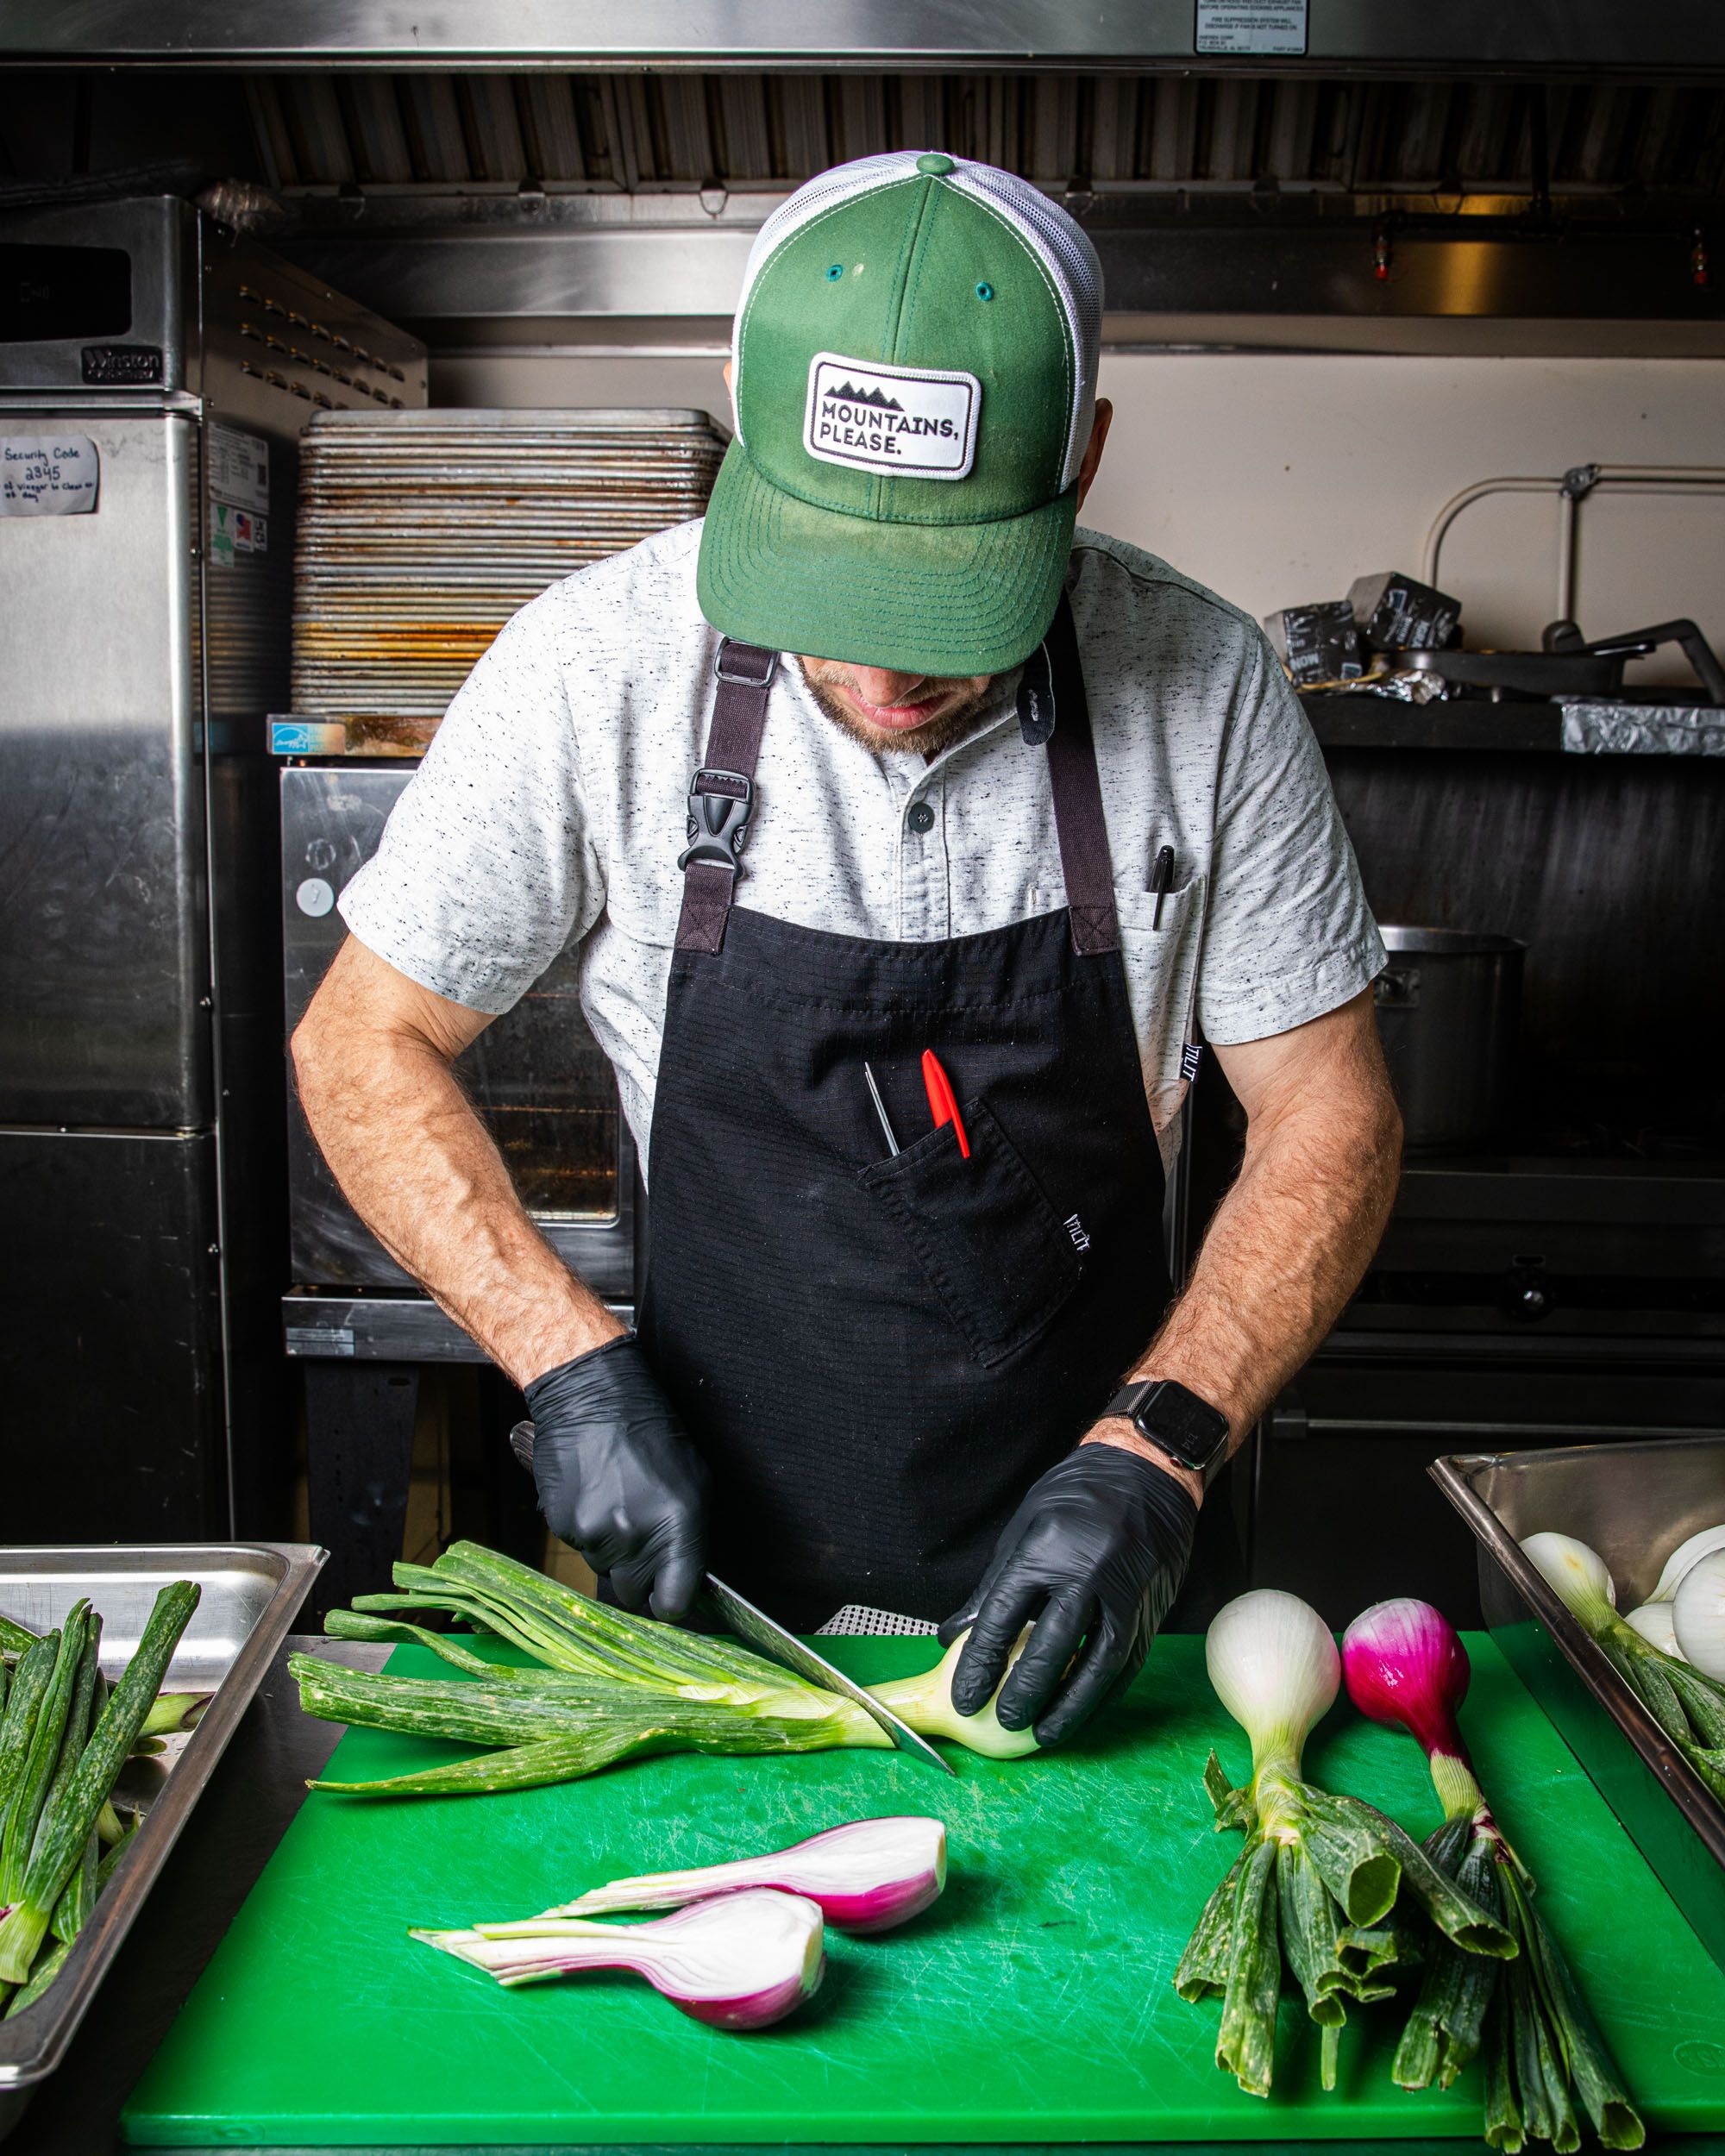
(1447, 1006)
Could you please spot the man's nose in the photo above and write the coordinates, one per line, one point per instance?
(884, 690)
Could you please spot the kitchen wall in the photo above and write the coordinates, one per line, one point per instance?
(1277, 477)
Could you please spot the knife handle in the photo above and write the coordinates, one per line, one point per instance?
(521, 1443)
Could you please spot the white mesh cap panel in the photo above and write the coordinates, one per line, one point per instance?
(1066, 251)
(1059, 243)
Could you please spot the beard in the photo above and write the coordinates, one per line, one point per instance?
(949, 725)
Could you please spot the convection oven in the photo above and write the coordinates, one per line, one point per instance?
(539, 1080)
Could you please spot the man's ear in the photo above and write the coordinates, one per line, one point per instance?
(1092, 451)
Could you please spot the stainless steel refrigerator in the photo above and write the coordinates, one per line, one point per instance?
(154, 376)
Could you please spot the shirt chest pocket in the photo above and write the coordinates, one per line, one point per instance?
(1161, 941)
(991, 1245)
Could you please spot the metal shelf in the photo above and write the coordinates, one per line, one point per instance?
(1382, 722)
(380, 1327)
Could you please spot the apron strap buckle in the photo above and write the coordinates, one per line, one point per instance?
(747, 666)
(721, 795)
(720, 804)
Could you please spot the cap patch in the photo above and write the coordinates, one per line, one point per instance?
(917, 420)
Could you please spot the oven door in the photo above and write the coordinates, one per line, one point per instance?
(538, 1079)
(1343, 1509)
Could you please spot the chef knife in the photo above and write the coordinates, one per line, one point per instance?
(770, 1637)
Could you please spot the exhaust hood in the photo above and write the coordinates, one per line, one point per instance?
(1682, 38)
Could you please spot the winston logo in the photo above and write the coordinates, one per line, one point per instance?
(917, 420)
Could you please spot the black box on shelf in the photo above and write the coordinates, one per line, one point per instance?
(1395, 612)
(1317, 643)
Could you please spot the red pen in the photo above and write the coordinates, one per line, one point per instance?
(942, 1105)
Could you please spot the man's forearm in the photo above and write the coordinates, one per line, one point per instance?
(1286, 1248)
(422, 1172)
(1285, 1251)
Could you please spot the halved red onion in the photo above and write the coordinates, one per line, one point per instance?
(740, 1962)
(867, 1875)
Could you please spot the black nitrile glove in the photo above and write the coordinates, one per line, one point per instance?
(619, 1478)
(1095, 1554)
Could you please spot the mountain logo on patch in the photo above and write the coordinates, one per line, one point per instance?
(920, 422)
(849, 389)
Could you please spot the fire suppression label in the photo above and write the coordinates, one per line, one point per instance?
(1238, 26)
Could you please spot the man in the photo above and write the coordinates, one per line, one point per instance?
(1025, 817)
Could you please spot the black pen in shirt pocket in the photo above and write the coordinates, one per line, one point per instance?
(1162, 882)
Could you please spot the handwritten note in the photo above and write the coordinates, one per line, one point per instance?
(47, 475)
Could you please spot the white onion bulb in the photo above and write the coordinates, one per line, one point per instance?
(1698, 1612)
(1274, 1666)
(1577, 1575)
(1653, 1621)
(1684, 1555)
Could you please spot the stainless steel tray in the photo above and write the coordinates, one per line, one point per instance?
(1633, 1503)
(250, 1592)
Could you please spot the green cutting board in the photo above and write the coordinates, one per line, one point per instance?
(1031, 2004)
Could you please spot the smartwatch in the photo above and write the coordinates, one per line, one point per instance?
(1189, 1430)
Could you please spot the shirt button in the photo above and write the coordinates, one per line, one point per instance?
(922, 818)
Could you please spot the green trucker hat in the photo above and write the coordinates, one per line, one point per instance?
(914, 380)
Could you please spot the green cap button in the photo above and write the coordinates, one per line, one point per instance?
(934, 164)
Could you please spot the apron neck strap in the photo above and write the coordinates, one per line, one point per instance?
(1078, 789)
(722, 793)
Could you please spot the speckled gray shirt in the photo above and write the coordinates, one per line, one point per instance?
(550, 806)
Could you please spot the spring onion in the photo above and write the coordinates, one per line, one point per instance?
(742, 1961)
(48, 1967)
(80, 1894)
(65, 1826)
(1319, 1874)
(605, 1686)
(171, 1713)
(1656, 1625)
(868, 1875)
(1698, 1615)
(1656, 1619)
(18, 1729)
(1686, 1554)
(1404, 1665)
(1687, 1702)
(40, 1760)
(924, 1700)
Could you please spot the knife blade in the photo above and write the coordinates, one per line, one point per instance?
(791, 1653)
(771, 1639)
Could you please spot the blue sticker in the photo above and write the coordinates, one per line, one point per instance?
(307, 737)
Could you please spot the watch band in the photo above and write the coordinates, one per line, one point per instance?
(1176, 1421)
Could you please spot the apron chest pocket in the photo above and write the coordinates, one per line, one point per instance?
(994, 1249)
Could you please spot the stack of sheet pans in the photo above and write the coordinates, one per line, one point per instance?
(421, 532)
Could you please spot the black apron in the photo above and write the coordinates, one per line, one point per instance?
(878, 1353)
